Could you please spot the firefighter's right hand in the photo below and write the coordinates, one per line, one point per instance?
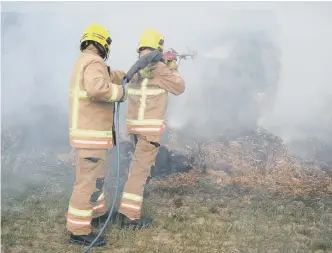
(148, 71)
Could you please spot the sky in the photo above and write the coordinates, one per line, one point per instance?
(40, 43)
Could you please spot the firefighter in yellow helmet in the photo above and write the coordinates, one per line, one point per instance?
(147, 104)
(94, 88)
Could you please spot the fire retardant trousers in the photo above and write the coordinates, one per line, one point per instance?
(146, 149)
(88, 199)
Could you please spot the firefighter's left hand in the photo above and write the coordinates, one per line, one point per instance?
(148, 71)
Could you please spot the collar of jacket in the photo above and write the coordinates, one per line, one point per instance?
(91, 50)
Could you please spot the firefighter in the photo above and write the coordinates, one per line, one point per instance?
(147, 104)
(94, 88)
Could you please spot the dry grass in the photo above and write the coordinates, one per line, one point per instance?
(237, 204)
(192, 214)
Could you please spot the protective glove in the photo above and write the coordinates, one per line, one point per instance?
(172, 64)
(148, 71)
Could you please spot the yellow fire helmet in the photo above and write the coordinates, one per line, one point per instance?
(151, 38)
(100, 36)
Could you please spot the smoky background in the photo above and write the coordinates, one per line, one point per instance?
(243, 48)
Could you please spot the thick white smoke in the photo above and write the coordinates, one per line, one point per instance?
(40, 44)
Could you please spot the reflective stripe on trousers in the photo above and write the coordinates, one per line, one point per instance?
(88, 199)
(142, 161)
(131, 203)
(79, 213)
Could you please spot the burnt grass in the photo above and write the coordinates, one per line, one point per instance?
(202, 217)
(204, 210)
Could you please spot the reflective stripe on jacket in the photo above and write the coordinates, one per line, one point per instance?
(147, 100)
(92, 94)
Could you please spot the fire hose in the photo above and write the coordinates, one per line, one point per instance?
(141, 63)
(101, 231)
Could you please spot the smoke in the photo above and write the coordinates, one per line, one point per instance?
(40, 44)
(298, 52)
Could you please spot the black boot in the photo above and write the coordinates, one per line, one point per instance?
(143, 222)
(87, 239)
(100, 221)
